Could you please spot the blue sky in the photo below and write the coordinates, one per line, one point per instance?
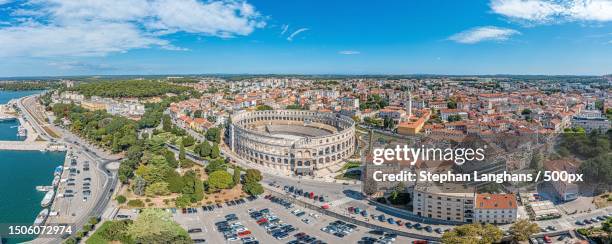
(64, 37)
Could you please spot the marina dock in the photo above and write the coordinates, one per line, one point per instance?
(31, 146)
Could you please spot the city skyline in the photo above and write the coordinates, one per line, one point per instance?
(538, 37)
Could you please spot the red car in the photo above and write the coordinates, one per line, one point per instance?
(261, 221)
(244, 233)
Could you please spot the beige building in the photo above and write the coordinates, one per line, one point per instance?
(495, 208)
(450, 202)
(567, 191)
(89, 105)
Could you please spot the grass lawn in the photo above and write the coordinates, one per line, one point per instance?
(166, 136)
(349, 165)
(348, 177)
(97, 238)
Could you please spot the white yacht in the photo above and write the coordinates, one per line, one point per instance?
(48, 199)
(41, 217)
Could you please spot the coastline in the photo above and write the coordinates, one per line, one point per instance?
(26, 164)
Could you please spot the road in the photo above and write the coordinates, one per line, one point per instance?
(101, 159)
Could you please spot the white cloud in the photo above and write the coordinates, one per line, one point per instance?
(74, 40)
(483, 33)
(349, 52)
(547, 11)
(94, 28)
(295, 33)
(284, 28)
(4, 2)
(77, 65)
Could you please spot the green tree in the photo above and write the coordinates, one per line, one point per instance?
(216, 165)
(182, 152)
(598, 170)
(157, 189)
(215, 152)
(175, 181)
(607, 227)
(252, 175)
(193, 187)
(263, 107)
(170, 159)
(157, 226)
(473, 233)
(399, 188)
(135, 203)
(139, 185)
(453, 118)
(167, 123)
(522, 229)
(219, 180)
(182, 201)
(526, 111)
(536, 161)
(205, 149)
(120, 199)
(253, 188)
(213, 135)
(188, 141)
(116, 231)
(236, 176)
(452, 104)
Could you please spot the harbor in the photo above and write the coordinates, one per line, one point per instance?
(27, 167)
(27, 138)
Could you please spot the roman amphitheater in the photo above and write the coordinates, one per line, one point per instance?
(293, 141)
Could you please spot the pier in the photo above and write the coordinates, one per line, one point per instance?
(31, 146)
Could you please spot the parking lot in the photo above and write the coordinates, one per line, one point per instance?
(205, 220)
(79, 187)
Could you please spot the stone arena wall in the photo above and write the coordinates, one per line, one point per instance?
(304, 156)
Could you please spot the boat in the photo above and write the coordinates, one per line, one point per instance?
(48, 199)
(41, 217)
(21, 131)
(56, 181)
(58, 170)
(44, 188)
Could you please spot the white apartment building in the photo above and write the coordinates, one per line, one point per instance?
(450, 202)
(495, 208)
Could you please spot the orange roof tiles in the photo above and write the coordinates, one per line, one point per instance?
(495, 201)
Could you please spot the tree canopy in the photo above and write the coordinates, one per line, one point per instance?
(219, 180)
(522, 229)
(157, 226)
(128, 88)
(473, 233)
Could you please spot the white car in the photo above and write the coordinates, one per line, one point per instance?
(307, 221)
